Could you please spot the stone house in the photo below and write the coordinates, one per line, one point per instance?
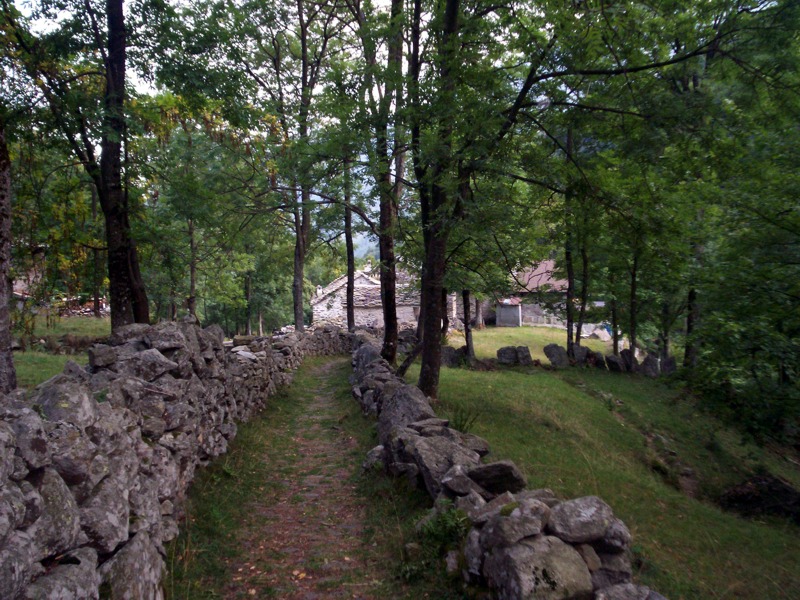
(329, 304)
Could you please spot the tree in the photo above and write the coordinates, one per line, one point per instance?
(84, 114)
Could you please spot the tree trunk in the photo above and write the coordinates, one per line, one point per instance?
(568, 243)
(191, 301)
(584, 290)
(479, 322)
(666, 322)
(614, 328)
(432, 282)
(692, 317)
(8, 375)
(302, 228)
(248, 298)
(634, 303)
(97, 264)
(351, 260)
(128, 298)
(468, 327)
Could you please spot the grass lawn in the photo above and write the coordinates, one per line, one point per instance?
(583, 432)
(34, 368)
(488, 341)
(80, 326)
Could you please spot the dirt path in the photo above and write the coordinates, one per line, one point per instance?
(306, 541)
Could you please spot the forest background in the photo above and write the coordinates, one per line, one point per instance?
(651, 149)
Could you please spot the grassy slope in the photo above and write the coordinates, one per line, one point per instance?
(34, 367)
(582, 432)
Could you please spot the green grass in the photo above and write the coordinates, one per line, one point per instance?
(487, 341)
(80, 326)
(583, 432)
(34, 368)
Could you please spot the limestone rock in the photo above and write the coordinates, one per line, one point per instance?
(12, 509)
(650, 367)
(65, 400)
(30, 435)
(373, 459)
(406, 405)
(134, 573)
(525, 520)
(580, 520)
(147, 364)
(58, 527)
(580, 354)
(17, 563)
(452, 358)
(435, 456)
(74, 578)
(507, 355)
(104, 516)
(524, 356)
(458, 483)
(542, 567)
(617, 538)
(615, 364)
(614, 569)
(101, 355)
(498, 477)
(7, 450)
(557, 356)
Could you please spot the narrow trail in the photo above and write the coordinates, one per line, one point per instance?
(305, 541)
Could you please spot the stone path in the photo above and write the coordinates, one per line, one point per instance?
(306, 542)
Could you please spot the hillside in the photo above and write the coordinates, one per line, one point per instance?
(651, 452)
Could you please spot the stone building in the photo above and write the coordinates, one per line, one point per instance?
(329, 304)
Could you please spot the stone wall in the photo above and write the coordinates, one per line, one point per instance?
(96, 462)
(523, 543)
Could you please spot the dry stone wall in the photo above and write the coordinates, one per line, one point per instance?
(96, 462)
(524, 543)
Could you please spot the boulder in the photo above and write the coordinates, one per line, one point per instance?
(628, 358)
(104, 516)
(615, 364)
(541, 567)
(147, 364)
(134, 572)
(457, 483)
(498, 477)
(435, 456)
(650, 367)
(101, 356)
(580, 520)
(61, 399)
(507, 355)
(557, 355)
(452, 358)
(617, 538)
(614, 570)
(597, 360)
(7, 450)
(58, 527)
(74, 577)
(524, 356)
(406, 405)
(526, 519)
(31, 437)
(18, 563)
(581, 355)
